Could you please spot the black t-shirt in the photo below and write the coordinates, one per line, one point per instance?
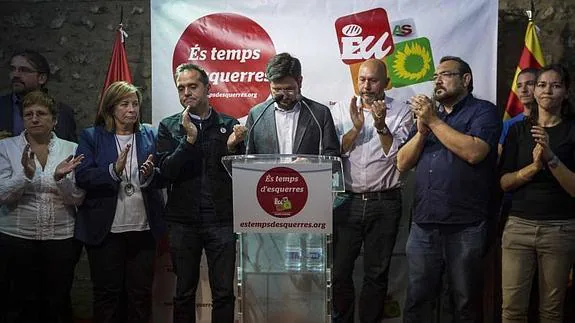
(542, 198)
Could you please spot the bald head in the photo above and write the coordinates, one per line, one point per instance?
(372, 80)
(375, 65)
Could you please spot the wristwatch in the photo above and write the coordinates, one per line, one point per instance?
(383, 131)
(553, 162)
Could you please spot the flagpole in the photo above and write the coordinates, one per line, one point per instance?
(531, 56)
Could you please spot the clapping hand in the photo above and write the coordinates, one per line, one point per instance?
(191, 130)
(147, 167)
(66, 166)
(120, 163)
(379, 111)
(29, 162)
(538, 156)
(423, 109)
(541, 138)
(237, 136)
(356, 114)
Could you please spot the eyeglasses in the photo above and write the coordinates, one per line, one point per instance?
(29, 115)
(284, 91)
(22, 69)
(444, 74)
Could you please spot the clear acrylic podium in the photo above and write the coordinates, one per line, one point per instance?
(269, 287)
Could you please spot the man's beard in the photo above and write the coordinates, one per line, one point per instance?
(20, 89)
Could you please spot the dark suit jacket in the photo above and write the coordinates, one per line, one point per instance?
(65, 128)
(96, 214)
(263, 137)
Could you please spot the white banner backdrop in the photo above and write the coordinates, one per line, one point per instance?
(239, 36)
(233, 40)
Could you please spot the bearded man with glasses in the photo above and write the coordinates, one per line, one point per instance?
(454, 152)
(30, 71)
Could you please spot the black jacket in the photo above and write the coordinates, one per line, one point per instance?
(184, 165)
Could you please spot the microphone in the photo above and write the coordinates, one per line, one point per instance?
(278, 97)
(300, 99)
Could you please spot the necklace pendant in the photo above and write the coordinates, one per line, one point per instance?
(129, 189)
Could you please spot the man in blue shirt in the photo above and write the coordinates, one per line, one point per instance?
(525, 87)
(454, 150)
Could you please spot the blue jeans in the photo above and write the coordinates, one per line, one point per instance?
(371, 221)
(186, 245)
(456, 251)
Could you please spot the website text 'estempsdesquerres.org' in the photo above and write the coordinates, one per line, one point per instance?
(284, 225)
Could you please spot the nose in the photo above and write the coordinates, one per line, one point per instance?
(187, 91)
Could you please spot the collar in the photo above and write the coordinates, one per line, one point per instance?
(295, 108)
(458, 106)
(198, 118)
(15, 99)
(51, 143)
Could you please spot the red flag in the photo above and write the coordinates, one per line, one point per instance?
(118, 69)
(532, 56)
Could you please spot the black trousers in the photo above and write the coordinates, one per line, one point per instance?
(35, 279)
(186, 245)
(370, 220)
(122, 274)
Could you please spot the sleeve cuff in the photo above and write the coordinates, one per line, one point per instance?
(113, 173)
(145, 182)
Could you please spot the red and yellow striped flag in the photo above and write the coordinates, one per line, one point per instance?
(531, 56)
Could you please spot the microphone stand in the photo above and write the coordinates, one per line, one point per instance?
(276, 98)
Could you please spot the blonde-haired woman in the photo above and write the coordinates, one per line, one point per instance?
(37, 208)
(121, 214)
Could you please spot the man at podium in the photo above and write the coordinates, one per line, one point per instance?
(289, 123)
(371, 128)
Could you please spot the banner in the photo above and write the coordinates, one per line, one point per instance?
(233, 40)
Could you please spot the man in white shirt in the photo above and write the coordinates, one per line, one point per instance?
(289, 123)
(371, 130)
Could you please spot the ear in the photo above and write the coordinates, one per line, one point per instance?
(299, 81)
(386, 82)
(42, 79)
(466, 79)
(208, 87)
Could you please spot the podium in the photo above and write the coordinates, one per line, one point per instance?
(283, 217)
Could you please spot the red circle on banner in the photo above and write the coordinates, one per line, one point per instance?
(282, 192)
(234, 51)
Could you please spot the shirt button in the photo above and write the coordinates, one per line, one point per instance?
(430, 171)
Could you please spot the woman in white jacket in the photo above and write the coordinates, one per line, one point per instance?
(38, 199)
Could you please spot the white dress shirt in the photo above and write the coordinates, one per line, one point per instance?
(367, 168)
(40, 208)
(286, 125)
